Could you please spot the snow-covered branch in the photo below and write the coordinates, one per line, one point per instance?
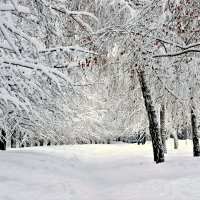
(177, 53)
(11, 7)
(66, 49)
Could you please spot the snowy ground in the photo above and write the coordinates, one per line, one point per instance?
(99, 172)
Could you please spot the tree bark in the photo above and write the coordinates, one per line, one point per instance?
(162, 127)
(174, 135)
(195, 137)
(25, 143)
(3, 140)
(153, 123)
(8, 140)
(17, 139)
(13, 139)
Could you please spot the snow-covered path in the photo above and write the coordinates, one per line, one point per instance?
(99, 172)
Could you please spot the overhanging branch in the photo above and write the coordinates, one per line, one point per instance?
(176, 53)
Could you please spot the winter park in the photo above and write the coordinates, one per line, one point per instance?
(99, 99)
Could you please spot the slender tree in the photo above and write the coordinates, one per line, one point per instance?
(153, 123)
(162, 127)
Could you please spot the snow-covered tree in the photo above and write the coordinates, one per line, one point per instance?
(33, 89)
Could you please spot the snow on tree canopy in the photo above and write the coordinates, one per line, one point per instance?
(33, 89)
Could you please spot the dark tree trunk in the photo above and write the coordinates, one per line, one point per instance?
(195, 138)
(153, 124)
(162, 128)
(41, 141)
(3, 140)
(175, 143)
(13, 140)
(17, 139)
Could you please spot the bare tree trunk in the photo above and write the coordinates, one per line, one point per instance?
(195, 138)
(41, 141)
(3, 140)
(174, 135)
(162, 127)
(13, 139)
(32, 142)
(153, 124)
(25, 143)
(17, 139)
(8, 140)
(38, 141)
